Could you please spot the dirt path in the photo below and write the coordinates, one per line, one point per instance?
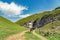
(19, 36)
(39, 36)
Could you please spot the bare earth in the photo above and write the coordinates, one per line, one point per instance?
(19, 36)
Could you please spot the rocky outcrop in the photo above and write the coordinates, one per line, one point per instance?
(46, 19)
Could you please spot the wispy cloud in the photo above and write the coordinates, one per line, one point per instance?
(11, 9)
(23, 16)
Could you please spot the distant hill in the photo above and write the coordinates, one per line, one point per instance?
(44, 18)
(8, 28)
(39, 16)
(49, 22)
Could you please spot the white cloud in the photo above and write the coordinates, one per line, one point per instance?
(23, 16)
(11, 9)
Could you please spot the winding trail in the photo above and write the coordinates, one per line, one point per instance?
(19, 36)
(39, 36)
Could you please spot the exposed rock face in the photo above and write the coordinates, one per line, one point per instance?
(49, 19)
(46, 19)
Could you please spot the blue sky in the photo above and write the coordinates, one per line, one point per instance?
(19, 9)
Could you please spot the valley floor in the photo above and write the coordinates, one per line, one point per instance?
(20, 36)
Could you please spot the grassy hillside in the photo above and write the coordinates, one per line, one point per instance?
(50, 31)
(31, 18)
(8, 28)
(35, 16)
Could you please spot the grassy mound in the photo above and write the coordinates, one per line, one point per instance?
(50, 31)
(8, 28)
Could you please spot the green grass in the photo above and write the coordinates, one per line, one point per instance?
(8, 28)
(48, 37)
(48, 28)
(30, 36)
(31, 18)
(53, 38)
(35, 16)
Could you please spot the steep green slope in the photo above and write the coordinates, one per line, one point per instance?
(50, 31)
(35, 16)
(8, 28)
(31, 18)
